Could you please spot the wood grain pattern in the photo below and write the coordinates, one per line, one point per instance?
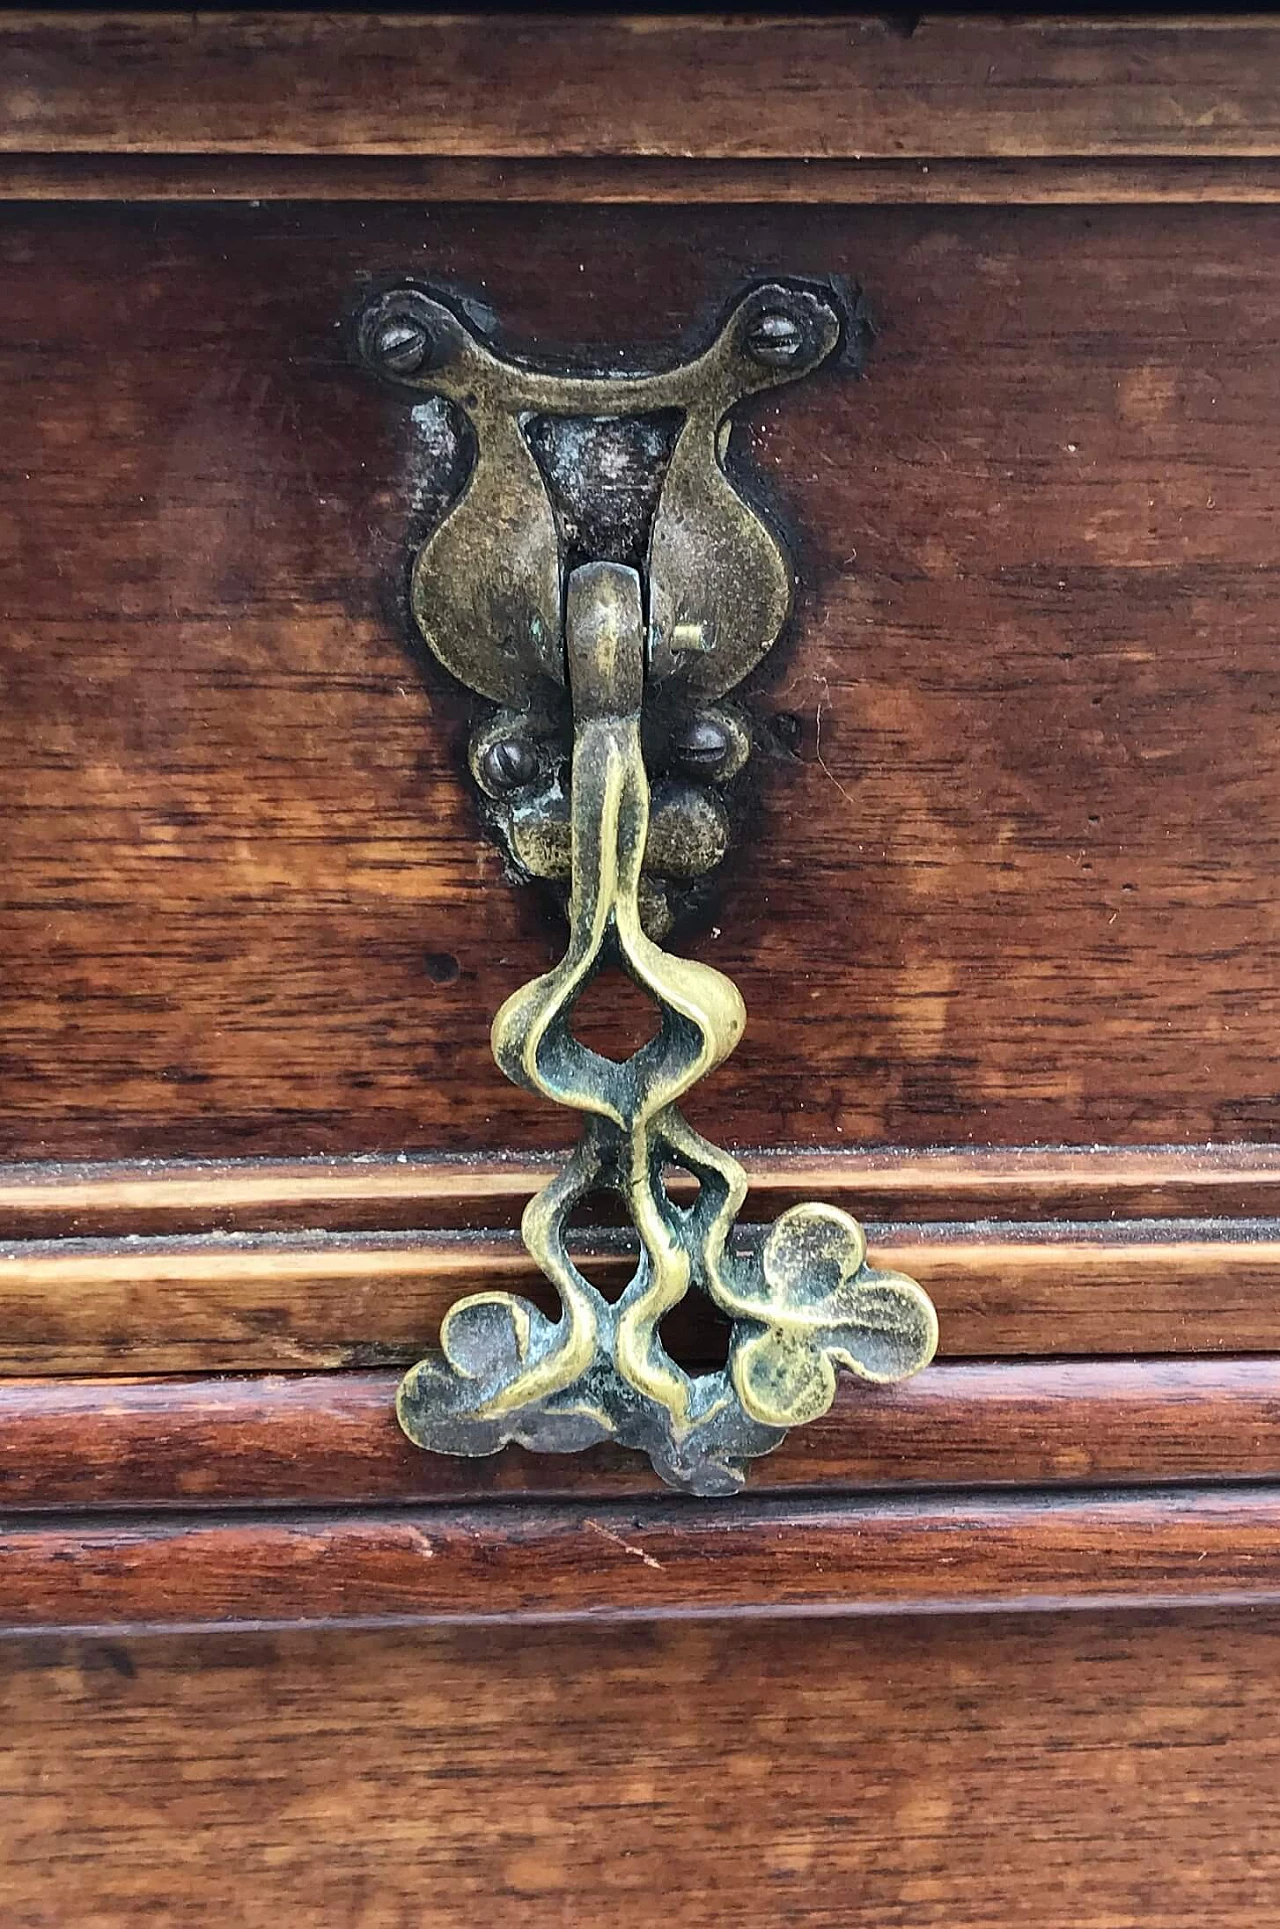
(644, 1559)
(1020, 881)
(242, 1302)
(1072, 1771)
(483, 1193)
(624, 179)
(1013, 877)
(329, 1439)
(713, 86)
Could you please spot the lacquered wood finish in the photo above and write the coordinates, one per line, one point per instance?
(292, 1300)
(641, 179)
(645, 1559)
(1019, 880)
(701, 87)
(1013, 881)
(332, 1439)
(1074, 1771)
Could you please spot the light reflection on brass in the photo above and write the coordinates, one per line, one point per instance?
(504, 608)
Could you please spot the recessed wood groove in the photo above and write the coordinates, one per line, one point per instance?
(382, 1193)
(332, 1439)
(1040, 181)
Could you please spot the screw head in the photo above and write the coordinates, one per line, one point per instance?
(703, 745)
(509, 764)
(776, 338)
(402, 344)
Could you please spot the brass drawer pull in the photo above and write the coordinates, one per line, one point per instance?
(564, 645)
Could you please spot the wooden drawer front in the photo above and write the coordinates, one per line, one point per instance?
(1003, 901)
(1006, 882)
(1015, 880)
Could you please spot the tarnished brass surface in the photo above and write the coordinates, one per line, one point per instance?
(601, 581)
(627, 468)
(803, 1303)
(487, 582)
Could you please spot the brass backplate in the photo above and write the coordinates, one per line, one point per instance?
(578, 629)
(571, 468)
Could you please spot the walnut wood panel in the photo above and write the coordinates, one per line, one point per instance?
(529, 85)
(479, 1193)
(321, 1439)
(622, 179)
(1071, 1771)
(644, 1559)
(1018, 882)
(243, 1302)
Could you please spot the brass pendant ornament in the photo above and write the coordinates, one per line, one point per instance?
(561, 641)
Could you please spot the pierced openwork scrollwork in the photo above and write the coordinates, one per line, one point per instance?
(508, 608)
(804, 1303)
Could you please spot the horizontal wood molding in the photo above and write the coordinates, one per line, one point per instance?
(332, 1439)
(729, 87)
(256, 1302)
(385, 1193)
(627, 179)
(645, 1559)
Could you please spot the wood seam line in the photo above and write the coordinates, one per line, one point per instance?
(231, 1255)
(1039, 181)
(941, 1184)
(1172, 1546)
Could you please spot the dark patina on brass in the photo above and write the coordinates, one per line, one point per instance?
(509, 604)
(627, 468)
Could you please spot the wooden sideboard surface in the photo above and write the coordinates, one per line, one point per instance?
(1003, 901)
(1080, 1771)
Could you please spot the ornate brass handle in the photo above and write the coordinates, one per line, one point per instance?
(804, 1299)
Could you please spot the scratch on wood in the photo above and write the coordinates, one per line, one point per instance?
(420, 1542)
(607, 1533)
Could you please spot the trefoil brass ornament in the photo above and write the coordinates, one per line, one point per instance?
(691, 597)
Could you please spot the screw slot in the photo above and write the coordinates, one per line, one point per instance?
(507, 765)
(402, 344)
(703, 746)
(776, 339)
